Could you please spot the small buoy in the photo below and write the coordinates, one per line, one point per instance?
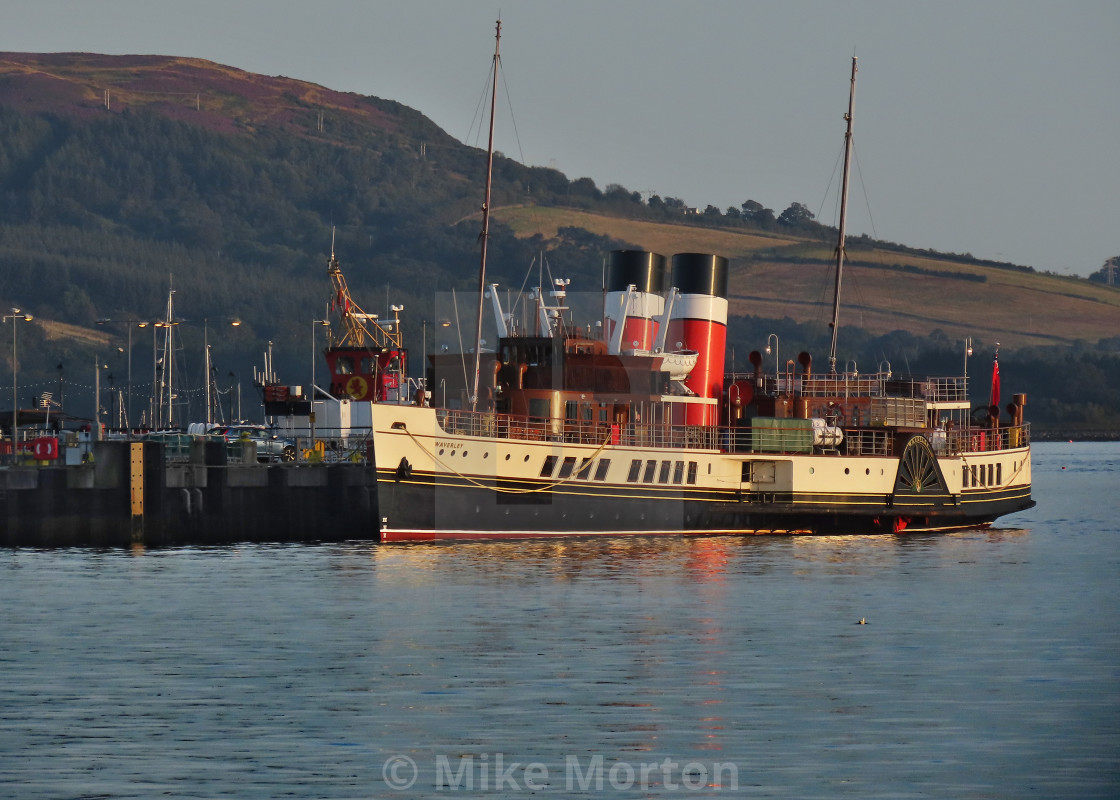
(862, 621)
(1063, 467)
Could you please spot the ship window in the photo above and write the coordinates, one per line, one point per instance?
(651, 470)
(567, 467)
(601, 470)
(571, 410)
(344, 365)
(664, 476)
(585, 469)
(678, 472)
(692, 466)
(549, 466)
(538, 407)
(964, 476)
(999, 474)
(972, 469)
(991, 474)
(367, 366)
(635, 470)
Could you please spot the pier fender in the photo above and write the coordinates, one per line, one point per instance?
(404, 470)
(196, 497)
(186, 495)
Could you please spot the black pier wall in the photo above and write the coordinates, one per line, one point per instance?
(205, 500)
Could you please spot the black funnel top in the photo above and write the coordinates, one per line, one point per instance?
(644, 270)
(700, 273)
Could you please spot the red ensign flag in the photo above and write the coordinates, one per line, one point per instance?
(994, 400)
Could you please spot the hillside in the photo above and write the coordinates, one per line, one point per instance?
(209, 95)
(123, 178)
(778, 276)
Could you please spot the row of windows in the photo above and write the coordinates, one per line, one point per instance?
(983, 475)
(568, 466)
(651, 470)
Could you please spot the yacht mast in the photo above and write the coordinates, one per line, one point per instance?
(485, 235)
(843, 222)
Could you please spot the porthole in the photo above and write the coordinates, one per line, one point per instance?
(441, 451)
(507, 456)
(847, 471)
(526, 457)
(867, 471)
(486, 455)
(812, 470)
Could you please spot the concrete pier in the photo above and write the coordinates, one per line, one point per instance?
(130, 494)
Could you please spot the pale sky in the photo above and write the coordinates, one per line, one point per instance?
(983, 126)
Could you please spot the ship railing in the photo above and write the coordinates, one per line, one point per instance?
(867, 442)
(846, 384)
(855, 384)
(945, 390)
(633, 434)
(988, 440)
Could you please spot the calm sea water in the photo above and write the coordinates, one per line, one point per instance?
(988, 667)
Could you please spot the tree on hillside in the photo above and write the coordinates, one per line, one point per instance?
(1109, 274)
(585, 187)
(760, 215)
(795, 216)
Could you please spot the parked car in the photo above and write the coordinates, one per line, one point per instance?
(270, 445)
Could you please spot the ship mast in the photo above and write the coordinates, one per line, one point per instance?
(485, 235)
(843, 222)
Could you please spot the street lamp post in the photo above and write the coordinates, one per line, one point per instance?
(15, 316)
(311, 415)
(126, 410)
(777, 361)
(97, 367)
